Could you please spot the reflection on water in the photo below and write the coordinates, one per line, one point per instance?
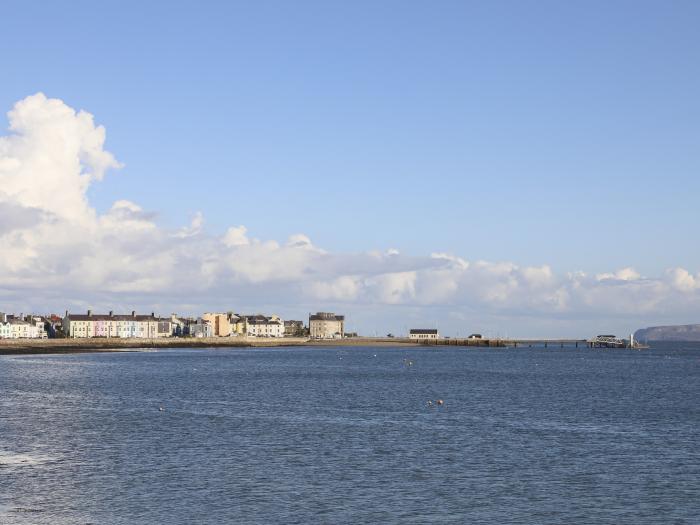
(351, 435)
(9, 460)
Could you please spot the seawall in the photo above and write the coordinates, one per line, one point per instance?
(97, 344)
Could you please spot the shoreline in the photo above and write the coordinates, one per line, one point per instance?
(95, 345)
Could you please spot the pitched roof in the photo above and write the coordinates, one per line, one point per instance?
(116, 317)
(326, 316)
(17, 321)
(261, 319)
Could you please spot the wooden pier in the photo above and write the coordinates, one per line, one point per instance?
(596, 342)
(460, 342)
(561, 343)
(518, 343)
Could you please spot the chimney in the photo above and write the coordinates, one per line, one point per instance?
(133, 313)
(66, 313)
(111, 313)
(89, 313)
(153, 314)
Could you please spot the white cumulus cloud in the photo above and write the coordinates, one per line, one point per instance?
(57, 251)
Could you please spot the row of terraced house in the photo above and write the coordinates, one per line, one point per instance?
(322, 325)
(152, 326)
(111, 325)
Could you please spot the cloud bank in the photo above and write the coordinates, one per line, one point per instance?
(57, 252)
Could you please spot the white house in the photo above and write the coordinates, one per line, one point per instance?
(18, 328)
(38, 322)
(262, 326)
(5, 330)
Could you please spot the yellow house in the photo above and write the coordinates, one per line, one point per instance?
(220, 323)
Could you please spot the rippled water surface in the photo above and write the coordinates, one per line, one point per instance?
(346, 435)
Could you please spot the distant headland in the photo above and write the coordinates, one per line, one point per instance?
(685, 332)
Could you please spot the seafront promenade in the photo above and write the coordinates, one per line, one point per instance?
(98, 344)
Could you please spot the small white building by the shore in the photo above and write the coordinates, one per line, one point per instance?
(423, 334)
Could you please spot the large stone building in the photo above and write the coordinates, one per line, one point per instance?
(326, 325)
(111, 325)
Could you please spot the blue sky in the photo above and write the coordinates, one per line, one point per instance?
(564, 134)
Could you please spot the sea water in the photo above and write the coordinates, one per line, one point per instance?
(352, 435)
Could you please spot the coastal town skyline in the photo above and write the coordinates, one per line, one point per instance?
(475, 198)
(137, 325)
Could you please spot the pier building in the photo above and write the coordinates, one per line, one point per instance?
(423, 333)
